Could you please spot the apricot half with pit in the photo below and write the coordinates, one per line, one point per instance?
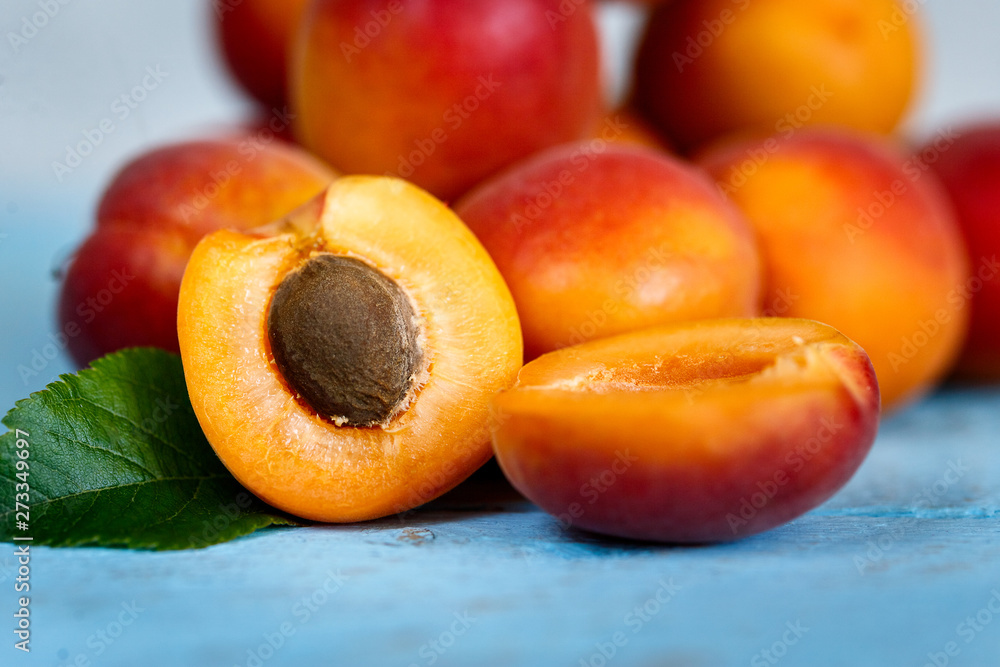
(341, 360)
(699, 432)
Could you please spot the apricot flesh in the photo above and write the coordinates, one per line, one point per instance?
(267, 433)
(671, 433)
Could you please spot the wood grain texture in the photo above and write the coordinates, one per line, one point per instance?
(885, 573)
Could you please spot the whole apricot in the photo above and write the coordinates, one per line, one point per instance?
(695, 432)
(709, 67)
(255, 37)
(969, 166)
(341, 360)
(120, 289)
(596, 239)
(443, 93)
(851, 236)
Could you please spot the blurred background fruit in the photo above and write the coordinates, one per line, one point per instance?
(708, 67)
(967, 161)
(255, 37)
(850, 235)
(443, 93)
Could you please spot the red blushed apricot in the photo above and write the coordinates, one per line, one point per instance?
(255, 36)
(697, 432)
(443, 93)
(239, 182)
(969, 167)
(706, 68)
(121, 291)
(852, 236)
(597, 239)
(341, 360)
(150, 218)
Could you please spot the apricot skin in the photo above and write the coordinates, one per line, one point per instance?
(272, 441)
(595, 243)
(698, 432)
(969, 168)
(848, 237)
(443, 93)
(255, 37)
(710, 67)
(120, 289)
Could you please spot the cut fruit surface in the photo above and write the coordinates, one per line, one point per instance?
(286, 450)
(698, 432)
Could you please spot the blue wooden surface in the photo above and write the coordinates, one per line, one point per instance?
(888, 572)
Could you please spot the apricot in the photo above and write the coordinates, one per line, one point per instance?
(695, 432)
(625, 126)
(443, 93)
(852, 236)
(120, 289)
(341, 360)
(709, 67)
(255, 37)
(596, 239)
(969, 166)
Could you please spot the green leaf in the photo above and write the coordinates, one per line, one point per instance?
(115, 457)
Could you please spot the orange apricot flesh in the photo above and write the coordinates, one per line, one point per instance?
(271, 439)
(698, 432)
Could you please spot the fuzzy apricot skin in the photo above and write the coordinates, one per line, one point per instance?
(710, 67)
(276, 445)
(595, 243)
(445, 93)
(699, 432)
(851, 235)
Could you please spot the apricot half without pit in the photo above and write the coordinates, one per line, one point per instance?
(341, 360)
(703, 431)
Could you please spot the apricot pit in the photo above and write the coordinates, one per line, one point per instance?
(345, 337)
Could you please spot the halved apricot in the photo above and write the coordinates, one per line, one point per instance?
(341, 360)
(698, 432)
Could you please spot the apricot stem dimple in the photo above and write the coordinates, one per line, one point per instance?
(346, 339)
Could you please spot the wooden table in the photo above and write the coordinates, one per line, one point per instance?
(901, 568)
